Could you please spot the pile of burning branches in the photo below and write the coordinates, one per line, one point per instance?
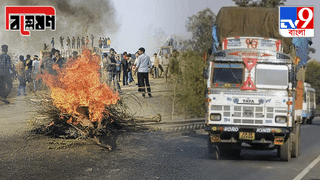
(79, 105)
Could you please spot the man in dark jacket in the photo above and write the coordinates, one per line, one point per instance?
(125, 67)
(28, 68)
(5, 74)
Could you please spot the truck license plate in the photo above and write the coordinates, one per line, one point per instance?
(246, 135)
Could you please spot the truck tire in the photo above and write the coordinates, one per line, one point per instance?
(309, 121)
(285, 150)
(296, 142)
(213, 150)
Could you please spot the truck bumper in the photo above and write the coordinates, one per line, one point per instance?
(248, 134)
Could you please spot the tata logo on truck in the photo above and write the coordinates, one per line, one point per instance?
(26, 18)
(296, 21)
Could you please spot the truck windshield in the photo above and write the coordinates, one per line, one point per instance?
(165, 51)
(272, 75)
(228, 73)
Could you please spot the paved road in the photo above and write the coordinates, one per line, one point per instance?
(157, 155)
(142, 155)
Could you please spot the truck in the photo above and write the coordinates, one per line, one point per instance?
(254, 95)
(178, 42)
(309, 104)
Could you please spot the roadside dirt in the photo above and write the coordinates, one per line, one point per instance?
(26, 155)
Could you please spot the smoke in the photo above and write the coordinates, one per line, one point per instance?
(73, 18)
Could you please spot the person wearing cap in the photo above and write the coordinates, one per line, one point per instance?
(21, 76)
(6, 70)
(143, 65)
(35, 73)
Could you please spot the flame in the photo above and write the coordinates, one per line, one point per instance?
(78, 85)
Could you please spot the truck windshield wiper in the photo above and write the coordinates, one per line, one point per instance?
(233, 73)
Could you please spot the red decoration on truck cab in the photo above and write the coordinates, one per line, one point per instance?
(249, 63)
(225, 43)
(248, 85)
(278, 44)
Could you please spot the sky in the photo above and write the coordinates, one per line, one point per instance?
(141, 20)
(130, 24)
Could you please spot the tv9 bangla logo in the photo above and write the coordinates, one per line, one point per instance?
(27, 18)
(296, 21)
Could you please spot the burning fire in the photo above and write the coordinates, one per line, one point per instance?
(78, 85)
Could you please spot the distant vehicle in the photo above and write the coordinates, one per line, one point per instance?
(177, 42)
(309, 104)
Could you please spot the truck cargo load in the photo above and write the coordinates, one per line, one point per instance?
(252, 22)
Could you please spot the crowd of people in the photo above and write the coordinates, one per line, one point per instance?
(128, 65)
(27, 70)
(125, 64)
(72, 43)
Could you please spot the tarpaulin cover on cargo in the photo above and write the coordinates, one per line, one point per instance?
(252, 22)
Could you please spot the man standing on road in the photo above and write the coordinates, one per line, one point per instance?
(5, 75)
(92, 40)
(125, 67)
(28, 69)
(61, 42)
(35, 73)
(165, 65)
(58, 59)
(130, 64)
(52, 43)
(47, 63)
(73, 42)
(109, 63)
(78, 43)
(100, 43)
(68, 42)
(156, 66)
(21, 76)
(143, 65)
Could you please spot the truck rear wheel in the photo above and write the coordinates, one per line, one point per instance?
(296, 142)
(309, 121)
(285, 150)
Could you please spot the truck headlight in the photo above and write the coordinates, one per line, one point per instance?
(215, 117)
(281, 119)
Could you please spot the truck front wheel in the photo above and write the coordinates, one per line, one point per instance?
(285, 150)
(213, 150)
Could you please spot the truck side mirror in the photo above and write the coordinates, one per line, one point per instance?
(206, 73)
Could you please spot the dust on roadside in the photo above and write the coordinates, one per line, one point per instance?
(25, 155)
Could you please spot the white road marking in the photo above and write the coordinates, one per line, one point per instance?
(307, 169)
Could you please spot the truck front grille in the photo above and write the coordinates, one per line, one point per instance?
(251, 114)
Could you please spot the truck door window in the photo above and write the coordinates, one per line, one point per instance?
(228, 73)
(165, 51)
(272, 76)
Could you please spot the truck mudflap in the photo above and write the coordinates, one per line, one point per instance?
(239, 134)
